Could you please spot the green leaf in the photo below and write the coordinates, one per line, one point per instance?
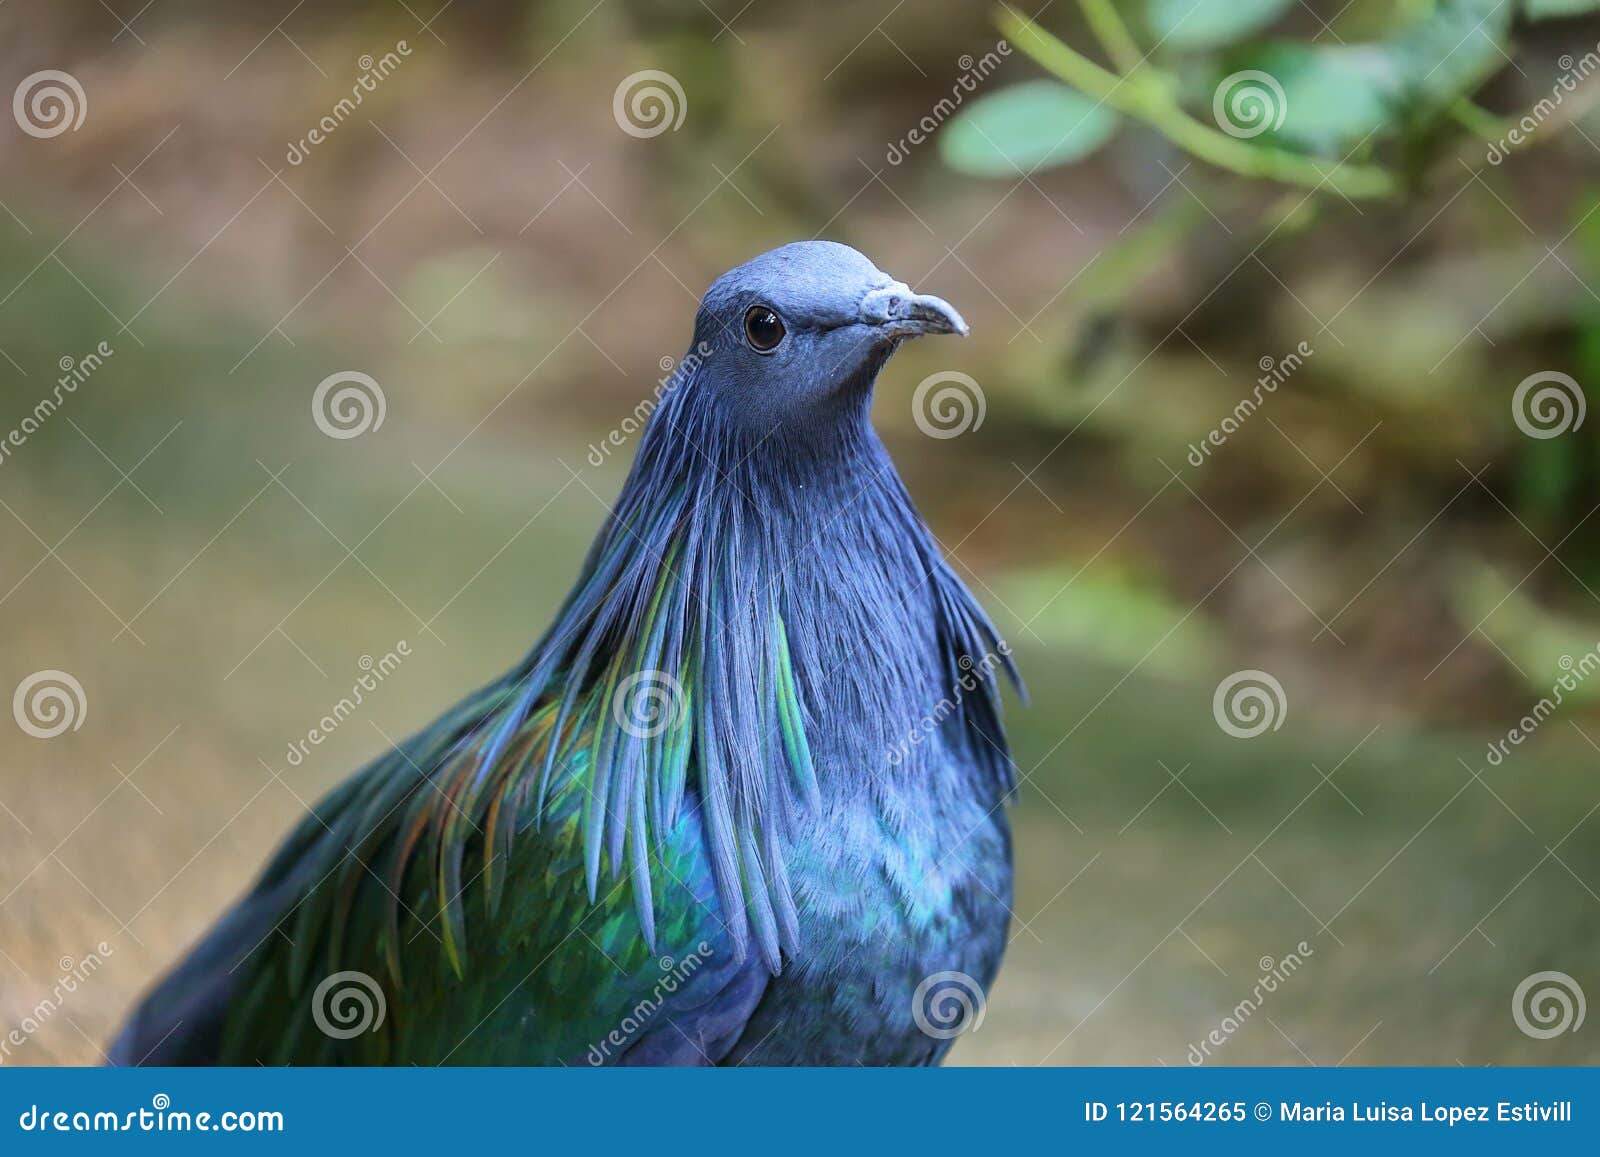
(1324, 98)
(1309, 97)
(1190, 25)
(1548, 9)
(1452, 51)
(1033, 125)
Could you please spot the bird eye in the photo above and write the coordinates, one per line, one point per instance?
(763, 328)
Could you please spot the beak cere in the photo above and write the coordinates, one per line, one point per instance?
(901, 313)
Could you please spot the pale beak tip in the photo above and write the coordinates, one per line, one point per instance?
(903, 313)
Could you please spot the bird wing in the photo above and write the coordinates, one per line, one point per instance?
(435, 909)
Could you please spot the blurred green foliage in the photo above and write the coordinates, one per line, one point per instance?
(1326, 148)
(1021, 129)
(1311, 97)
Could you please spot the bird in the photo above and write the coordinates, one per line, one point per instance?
(744, 802)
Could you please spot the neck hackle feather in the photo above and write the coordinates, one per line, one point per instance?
(686, 659)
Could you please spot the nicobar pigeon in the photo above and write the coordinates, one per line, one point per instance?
(740, 802)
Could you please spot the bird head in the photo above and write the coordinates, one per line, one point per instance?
(802, 331)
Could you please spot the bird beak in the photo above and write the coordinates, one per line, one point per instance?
(901, 313)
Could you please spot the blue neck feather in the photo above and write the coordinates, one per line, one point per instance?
(765, 594)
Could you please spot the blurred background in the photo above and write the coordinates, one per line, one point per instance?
(1272, 631)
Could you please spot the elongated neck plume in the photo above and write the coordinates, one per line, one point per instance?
(690, 644)
(760, 625)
